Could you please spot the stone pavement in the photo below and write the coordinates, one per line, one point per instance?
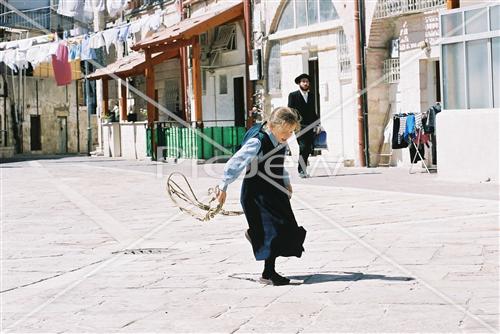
(95, 245)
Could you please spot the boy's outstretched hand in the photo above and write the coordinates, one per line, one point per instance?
(290, 190)
(221, 197)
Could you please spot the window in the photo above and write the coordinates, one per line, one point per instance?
(494, 17)
(223, 84)
(344, 60)
(274, 69)
(477, 70)
(225, 38)
(470, 58)
(454, 76)
(203, 81)
(495, 55)
(301, 13)
(451, 24)
(476, 21)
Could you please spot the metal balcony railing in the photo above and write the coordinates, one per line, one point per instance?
(391, 70)
(388, 8)
(37, 19)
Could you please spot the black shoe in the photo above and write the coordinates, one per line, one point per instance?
(303, 175)
(247, 236)
(274, 279)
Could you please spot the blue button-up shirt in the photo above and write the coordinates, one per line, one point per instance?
(241, 159)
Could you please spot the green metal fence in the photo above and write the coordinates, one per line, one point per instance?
(188, 143)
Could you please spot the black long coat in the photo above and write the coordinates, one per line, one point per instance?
(272, 225)
(306, 110)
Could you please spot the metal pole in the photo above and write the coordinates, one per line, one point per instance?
(77, 118)
(89, 111)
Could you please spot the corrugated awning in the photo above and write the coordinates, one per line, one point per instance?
(131, 65)
(188, 28)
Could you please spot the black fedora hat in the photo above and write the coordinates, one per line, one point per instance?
(302, 76)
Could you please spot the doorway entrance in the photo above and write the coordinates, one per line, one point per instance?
(62, 121)
(239, 101)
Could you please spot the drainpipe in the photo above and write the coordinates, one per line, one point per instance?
(247, 12)
(5, 94)
(361, 82)
(451, 4)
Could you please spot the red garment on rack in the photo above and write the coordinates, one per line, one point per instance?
(62, 68)
(421, 138)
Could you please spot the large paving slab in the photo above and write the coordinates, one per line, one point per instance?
(95, 245)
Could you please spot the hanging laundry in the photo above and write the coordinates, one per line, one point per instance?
(402, 126)
(69, 7)
(431, 118)
(388, 131)
(409, 127)
(32, 56)
(21, 61)
(41, 54)
(397, 136)
(53, 47)
(123, 33)
(418, 121)
(86, 53)
(96, 41)
(100, 5)
(11, 45)
(74, 51)
(110, 37)
(62, 69)
(115, 7)
(414, 156)
(25, 44)
(136, 26)
(87, 12)
(154, 21)
(9, 59)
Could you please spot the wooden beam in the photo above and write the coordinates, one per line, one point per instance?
(105, 96)
(150, 89)
(123, 100)
(217, 20)
(451, 4)
(150, 93)
(171, 46)
(196, 70)
(184, 84)
(186, 31)
(156, 108)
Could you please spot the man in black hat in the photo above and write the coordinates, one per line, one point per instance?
(303, 101)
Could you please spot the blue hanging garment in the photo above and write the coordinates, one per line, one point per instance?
(410, 127)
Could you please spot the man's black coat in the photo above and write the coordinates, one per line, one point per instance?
(306, 110)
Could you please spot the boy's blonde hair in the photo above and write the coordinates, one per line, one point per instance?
(284, 115)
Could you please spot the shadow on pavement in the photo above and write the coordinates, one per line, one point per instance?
(346, 174)
(322, 278)
(346, 277)
(35, 157)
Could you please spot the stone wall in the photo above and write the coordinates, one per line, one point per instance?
(53, 103)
